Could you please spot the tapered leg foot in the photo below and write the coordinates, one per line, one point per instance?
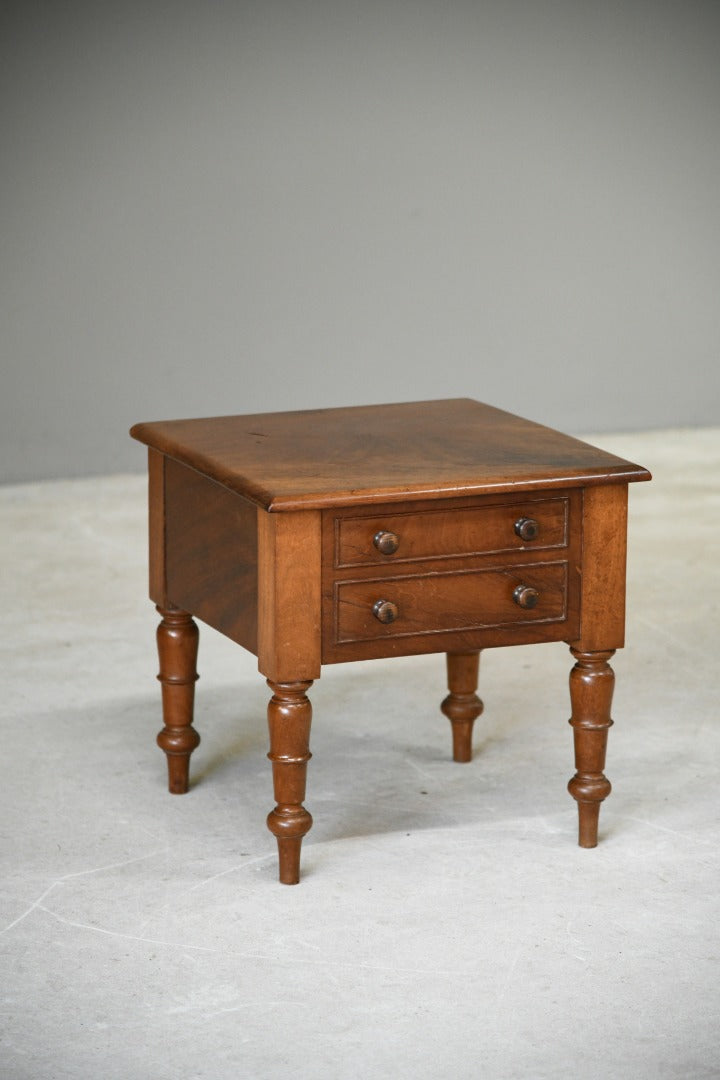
(289, 718)
(462, 706)
(592, 681)
(177, 641)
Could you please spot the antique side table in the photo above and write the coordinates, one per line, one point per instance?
(329, 535)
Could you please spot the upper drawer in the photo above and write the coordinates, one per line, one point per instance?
(436, 534)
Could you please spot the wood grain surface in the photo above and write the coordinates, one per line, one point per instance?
(380, 453)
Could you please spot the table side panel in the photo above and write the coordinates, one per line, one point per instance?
(211, 553)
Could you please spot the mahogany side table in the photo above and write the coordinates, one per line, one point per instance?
(329, 535)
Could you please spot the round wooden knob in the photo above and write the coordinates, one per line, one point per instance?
(386, 542)
(527, 528)
(385, 611)
(525, 596)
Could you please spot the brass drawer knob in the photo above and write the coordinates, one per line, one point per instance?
(527, 528)
(525, 596)
(385, 611)
(386, 542)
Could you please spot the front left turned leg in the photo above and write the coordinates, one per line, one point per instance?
(289, 718)
(177, 642)
(462, 706)
(591, 689)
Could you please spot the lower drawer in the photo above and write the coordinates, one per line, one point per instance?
(393, 607)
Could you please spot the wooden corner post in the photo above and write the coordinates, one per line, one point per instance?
(602, 631)
(289, 644)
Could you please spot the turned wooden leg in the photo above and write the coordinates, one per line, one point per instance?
(591, 689)
(289, 717)
(177, 641)
(462, 706)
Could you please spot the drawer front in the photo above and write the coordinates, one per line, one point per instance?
(383, 539)
(403, 606)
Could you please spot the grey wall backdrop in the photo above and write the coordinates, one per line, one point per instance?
(213, 207)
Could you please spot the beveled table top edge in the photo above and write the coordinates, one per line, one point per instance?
(344, 499)
(312, 487)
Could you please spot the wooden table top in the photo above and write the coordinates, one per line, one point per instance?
(318, 458)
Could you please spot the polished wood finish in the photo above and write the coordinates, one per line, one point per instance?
(289, 718)
(462, 706)
(433, 603)
(383, 453)
(528, 528)
(461, 599)
(211, 553)
(592, 681)
(385, 611)
(526, 597)
(289, 576)
(177, 642)
(386, 542)
(156, 526)
(604, 549)
(332, 535)
(442, 534)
